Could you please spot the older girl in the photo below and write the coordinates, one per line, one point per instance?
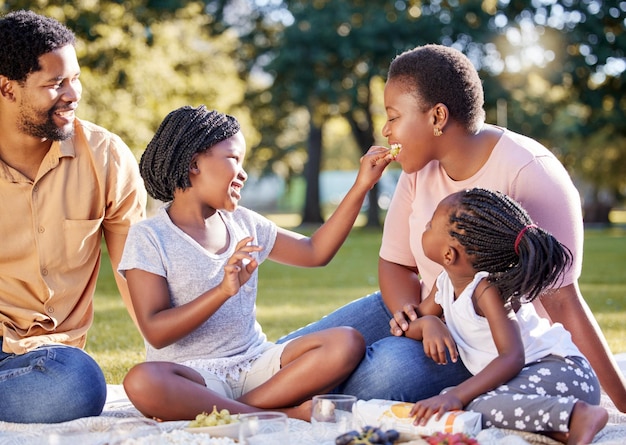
(192, 274)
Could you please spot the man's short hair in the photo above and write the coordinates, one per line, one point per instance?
(24, 37)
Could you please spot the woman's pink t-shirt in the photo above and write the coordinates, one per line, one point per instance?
(519, 167)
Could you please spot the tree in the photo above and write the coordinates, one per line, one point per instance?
(327, 58)
(138, 64)
(305, 61)
(574, 98)
(330, 55)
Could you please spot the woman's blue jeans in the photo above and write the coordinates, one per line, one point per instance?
(50, 384)
(394, 368)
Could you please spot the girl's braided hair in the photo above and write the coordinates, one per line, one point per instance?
(498, 235)
(184, 132)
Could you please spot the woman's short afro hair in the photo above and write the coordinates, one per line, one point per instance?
(440, 74)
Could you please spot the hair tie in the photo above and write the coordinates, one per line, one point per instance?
(520, 235)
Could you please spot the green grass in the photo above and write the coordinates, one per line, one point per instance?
(292, 297)
(603, 282)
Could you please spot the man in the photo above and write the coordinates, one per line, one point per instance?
(64, 183)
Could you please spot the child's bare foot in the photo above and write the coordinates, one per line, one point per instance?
(586, 421)
(302, 412)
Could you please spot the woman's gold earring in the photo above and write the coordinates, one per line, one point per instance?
(437, 131)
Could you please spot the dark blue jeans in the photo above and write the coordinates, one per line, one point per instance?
(50, 384)
(394, 368)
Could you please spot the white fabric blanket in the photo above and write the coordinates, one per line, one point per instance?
(122, 424)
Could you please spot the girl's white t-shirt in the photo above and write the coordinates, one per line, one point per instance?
(473, 336)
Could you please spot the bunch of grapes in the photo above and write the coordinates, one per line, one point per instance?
(369, 435)
(450, 439)
(216, 417)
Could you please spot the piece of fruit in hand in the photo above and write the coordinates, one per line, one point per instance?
(395, 149)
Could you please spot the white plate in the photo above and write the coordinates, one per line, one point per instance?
(229, 430)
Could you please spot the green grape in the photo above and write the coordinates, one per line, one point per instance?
(395, 149)
(215, 418)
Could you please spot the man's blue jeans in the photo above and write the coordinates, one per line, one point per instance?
(50, 384)
(394, 368)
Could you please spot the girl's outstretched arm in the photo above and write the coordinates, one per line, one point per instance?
(299, 250)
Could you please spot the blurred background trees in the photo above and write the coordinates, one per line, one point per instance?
(305, 77)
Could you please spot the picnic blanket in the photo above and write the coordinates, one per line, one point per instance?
(121, 424)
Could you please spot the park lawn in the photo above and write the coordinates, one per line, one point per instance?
(292, 297)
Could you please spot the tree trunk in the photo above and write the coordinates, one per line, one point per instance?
(312, 212)
(365, 139)
(596, 211)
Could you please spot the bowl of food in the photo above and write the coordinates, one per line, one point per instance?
(216, 424)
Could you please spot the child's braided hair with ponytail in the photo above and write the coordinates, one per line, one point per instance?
(500, 238)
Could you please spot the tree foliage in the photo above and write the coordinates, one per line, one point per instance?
(574, 99)
(142, 59)
(552, 69)
(329, 57)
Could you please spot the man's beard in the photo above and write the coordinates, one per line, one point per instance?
(46, 129)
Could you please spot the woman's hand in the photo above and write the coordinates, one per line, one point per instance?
(399, 324)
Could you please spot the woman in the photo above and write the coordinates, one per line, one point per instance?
(434, 103)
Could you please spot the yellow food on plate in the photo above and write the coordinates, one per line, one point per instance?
(402, 409)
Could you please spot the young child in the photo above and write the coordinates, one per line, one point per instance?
(527, 374)
(192, 274)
